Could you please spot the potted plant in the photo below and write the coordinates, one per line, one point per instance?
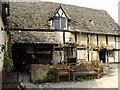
(71, 59)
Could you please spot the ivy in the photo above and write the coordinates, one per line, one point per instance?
(8, 63)
(51, 77)
(82, 78)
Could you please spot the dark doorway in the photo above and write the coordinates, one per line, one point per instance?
(22, 53)
(102, 55)
(19, 58)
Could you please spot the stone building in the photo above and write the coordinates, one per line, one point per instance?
(55, 31)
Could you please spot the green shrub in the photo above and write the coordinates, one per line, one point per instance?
(72, 57)
(98, 64)
(8, 63)
(51, 77)
(82, 78)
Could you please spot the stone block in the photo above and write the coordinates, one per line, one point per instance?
(106, 70)
(38, 71)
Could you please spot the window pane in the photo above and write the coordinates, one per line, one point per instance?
(57, 23)
(117, 45)
(63, 23)
(69, 51)
(111, 53)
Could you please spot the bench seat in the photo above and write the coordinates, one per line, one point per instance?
(83, 69)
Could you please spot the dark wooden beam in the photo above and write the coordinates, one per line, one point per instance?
(106, 39)
(87, 44)
(63, 37)
(64, 44)
(97, 40)
(115, 41)
(107, 43)
(76, 43)
(35, 44)
(59, 30)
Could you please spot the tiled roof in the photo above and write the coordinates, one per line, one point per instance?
(36, 15)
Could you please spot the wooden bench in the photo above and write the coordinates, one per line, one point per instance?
(83, 69)
(63, 70)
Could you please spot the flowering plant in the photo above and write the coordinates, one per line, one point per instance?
(101, 46)
(21, 86)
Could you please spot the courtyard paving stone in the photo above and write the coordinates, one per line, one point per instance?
(107, 81)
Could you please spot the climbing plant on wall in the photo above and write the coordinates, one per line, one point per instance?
(101, 46)
(91, 47)
(8, 63)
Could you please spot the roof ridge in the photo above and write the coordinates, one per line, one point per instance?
(73, 5)
(63, 4)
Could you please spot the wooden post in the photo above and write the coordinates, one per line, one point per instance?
(87, 45)
(63, 37)
(64, 43)
(53, 55)
(97, 40)
(107, 51)
(76, 44)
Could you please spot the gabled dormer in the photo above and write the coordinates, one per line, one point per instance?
(60, 19)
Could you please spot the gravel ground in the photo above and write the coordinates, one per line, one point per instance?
(108, 81)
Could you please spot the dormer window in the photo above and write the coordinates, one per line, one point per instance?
(60, 19)
(60, 23)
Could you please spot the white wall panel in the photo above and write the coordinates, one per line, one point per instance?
(82, 54)
(93, 39)
(111, 40)
(69, 36)
(101, 39)
(82, 39)
(93, 55)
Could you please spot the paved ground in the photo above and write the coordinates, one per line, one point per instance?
(108, 81)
